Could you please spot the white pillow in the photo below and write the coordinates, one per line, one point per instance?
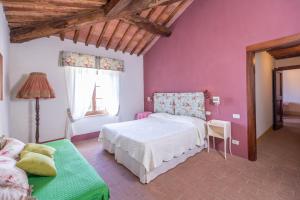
(14, 184)
(13, 181)
(12, 148)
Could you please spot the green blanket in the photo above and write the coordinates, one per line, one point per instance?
(76, 179)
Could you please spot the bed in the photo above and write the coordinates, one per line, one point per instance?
(76, 179)
(153, 145)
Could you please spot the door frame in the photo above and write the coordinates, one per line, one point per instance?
(250, 83)
(276, 125)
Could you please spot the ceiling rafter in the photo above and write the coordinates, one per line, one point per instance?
(137, 31)
(88, 37)
(89, 18)
(157, 18)
(99, 41)
(62, 36)
(114, 24)
(130, 41)
(113, 35)
(65, 3)
(174, 12)
(122, 38)
(76, 35)
(114, 7)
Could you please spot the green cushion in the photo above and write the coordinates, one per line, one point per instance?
(40, 148)
(76, 179)
(38, 164)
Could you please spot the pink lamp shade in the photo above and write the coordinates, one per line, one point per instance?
(36, 86)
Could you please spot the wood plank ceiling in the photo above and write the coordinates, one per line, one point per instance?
(131, 26)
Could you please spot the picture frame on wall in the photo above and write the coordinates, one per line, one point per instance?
(1, 77)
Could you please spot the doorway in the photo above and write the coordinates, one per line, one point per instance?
(290, 81)
(277, 44)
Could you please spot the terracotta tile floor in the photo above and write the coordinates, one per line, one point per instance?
(275, 175)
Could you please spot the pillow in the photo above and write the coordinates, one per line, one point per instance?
(40, 148)
(7, 162)
(12, 148)
(37, 164)
(14, 184)
(2, 141)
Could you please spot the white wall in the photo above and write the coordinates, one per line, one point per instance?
(263, 91)
(291, 85)
(291, 94)
(4, 45)
(42, 55)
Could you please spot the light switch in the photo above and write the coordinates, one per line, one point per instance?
(236, 116)
(236, 142)
(208, 113)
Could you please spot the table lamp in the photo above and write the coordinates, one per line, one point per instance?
(36, 87)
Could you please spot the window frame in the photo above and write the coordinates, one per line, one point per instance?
(94, 110)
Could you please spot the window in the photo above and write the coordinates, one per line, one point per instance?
(97, 106)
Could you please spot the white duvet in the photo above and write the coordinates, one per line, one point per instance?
(156, 139)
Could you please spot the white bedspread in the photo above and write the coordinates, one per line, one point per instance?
(155, 139)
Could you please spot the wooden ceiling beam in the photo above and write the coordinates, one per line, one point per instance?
(88, 37)
(115, 7)
(46, 7)
(58, 25)
(76, 35)
(123, 36)
(131, 39)
(137, 31)
(149, 26)
(66, 3)
(88, 18)
(113, 35)
(62, 36)
(99, 41)
(145, 33)
(174, 12)
(39, 13)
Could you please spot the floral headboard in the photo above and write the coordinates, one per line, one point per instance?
(188, 104)
(164, 103)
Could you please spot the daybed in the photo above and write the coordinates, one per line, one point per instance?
(76, 179)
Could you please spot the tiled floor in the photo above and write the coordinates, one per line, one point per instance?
(275, 175)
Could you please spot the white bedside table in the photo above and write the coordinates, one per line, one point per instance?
(219, 129)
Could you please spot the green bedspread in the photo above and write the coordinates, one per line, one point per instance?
(76, 179)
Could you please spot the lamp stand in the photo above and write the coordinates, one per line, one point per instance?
(37, 120)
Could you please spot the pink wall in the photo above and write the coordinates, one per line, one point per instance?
(207, 51)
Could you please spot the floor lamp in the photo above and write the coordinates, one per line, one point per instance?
(36, 87)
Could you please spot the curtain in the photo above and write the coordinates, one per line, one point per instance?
(111, 90)
(89, 61)
(80, 84)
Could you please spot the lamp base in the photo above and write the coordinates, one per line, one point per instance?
(37, 120)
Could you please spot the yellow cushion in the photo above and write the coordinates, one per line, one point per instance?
(37, 164)
(40, 148)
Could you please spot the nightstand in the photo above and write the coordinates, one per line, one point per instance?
(142, 115)
(219, 129)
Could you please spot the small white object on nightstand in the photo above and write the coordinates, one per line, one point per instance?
(219, 129)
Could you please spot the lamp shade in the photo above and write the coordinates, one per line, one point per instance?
(36, 86)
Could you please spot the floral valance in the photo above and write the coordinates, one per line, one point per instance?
(89, 61)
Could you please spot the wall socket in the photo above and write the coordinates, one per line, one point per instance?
(236, 142)
(236, 116)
